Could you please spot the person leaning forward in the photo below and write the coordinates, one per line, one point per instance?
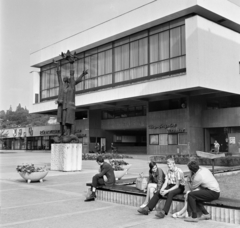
(98, 180)
(173, 185)
(209, 190)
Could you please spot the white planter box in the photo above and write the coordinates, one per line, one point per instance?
(66, 157)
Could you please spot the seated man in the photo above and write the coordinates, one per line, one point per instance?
(209, 190)
(173, 185)
(98, 180)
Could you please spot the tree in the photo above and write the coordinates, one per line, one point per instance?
(21, 117)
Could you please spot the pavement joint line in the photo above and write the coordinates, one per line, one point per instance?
(52, 185)
(52, 190)
(35, 204)
(130, 224)
(55, 216)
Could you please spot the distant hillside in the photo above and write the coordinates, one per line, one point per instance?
(21, 118)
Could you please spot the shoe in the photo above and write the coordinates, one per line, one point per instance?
(190, 219)
(160, 214)
(143, 205)
(91, 197)
(143, 211)
(177, 215)
(205, 217)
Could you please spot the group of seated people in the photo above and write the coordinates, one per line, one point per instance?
(201, 186)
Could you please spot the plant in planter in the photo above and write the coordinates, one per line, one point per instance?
(31, 173)
(118, 167)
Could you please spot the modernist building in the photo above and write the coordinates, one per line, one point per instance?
(163, 78)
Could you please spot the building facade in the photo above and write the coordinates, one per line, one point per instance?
(163, 83)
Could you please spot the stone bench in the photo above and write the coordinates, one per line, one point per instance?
(124, 192)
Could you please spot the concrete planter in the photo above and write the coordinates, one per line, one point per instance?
(33, 177)
(120, 173)
(127, 167)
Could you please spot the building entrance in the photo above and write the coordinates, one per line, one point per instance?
(132, 141)
(218, 134)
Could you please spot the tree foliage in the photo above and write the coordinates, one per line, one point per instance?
(21, 118)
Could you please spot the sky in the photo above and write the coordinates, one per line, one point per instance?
(27, 26)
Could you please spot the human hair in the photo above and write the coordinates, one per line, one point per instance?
(151, 165)
(100, 159)
(65, 79)
(170, 160)
(193, 166)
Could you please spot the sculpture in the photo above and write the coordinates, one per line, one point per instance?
(66, 100)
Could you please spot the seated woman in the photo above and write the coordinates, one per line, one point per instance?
(155, 182)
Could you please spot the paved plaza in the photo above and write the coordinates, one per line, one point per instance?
(59, 200)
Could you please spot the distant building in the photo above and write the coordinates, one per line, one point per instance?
(163, 78)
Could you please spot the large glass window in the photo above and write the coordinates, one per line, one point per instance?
(153, 52)
(131, 57)
(167, 47)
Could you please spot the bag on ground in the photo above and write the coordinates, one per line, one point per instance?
(89, 192)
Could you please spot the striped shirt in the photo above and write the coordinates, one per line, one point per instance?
(174, 175)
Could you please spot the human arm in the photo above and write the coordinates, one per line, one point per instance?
(60, 82)
(103, 170)
(79, 79)
(160, 179)
(196, 181)
(164, 185)
(166, 191)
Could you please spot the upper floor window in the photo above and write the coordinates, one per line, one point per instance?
(167, 47)
(150, 53)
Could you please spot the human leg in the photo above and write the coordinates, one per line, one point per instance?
(196, 198)
(152, 203)
(182, 212)
(96, 181)
(150, 191)
(170, 196)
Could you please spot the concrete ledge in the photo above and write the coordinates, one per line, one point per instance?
(218, 213)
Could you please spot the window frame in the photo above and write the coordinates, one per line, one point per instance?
(110, 80)
(156, 136)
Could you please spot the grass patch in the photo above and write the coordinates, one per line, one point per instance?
(229, 186)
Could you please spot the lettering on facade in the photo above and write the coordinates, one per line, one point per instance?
(177, 130)
(3, 133)
(51, 132)
(171, 128)
(166, 126)
(30, 131)
(14, 132)
(18, 133)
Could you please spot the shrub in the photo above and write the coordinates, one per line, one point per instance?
(26, 168)
(184, 159)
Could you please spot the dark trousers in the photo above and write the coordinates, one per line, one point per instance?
(97, 181)
(196, 198)
(157, 196)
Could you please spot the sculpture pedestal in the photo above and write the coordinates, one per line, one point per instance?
(66, 157)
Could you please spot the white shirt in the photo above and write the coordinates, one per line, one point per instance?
(205, 179)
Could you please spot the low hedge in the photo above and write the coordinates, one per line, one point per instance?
(91, 156)
(184, 159)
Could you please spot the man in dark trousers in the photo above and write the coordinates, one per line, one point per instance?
(209, 190)
(105, 170)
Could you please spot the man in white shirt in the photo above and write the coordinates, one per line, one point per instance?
(208, 190)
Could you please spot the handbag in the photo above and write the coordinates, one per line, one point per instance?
(141, 182)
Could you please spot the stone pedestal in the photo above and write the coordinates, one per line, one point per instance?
(66, 157)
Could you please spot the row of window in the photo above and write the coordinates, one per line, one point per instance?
(151, 52)
(168, 139)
